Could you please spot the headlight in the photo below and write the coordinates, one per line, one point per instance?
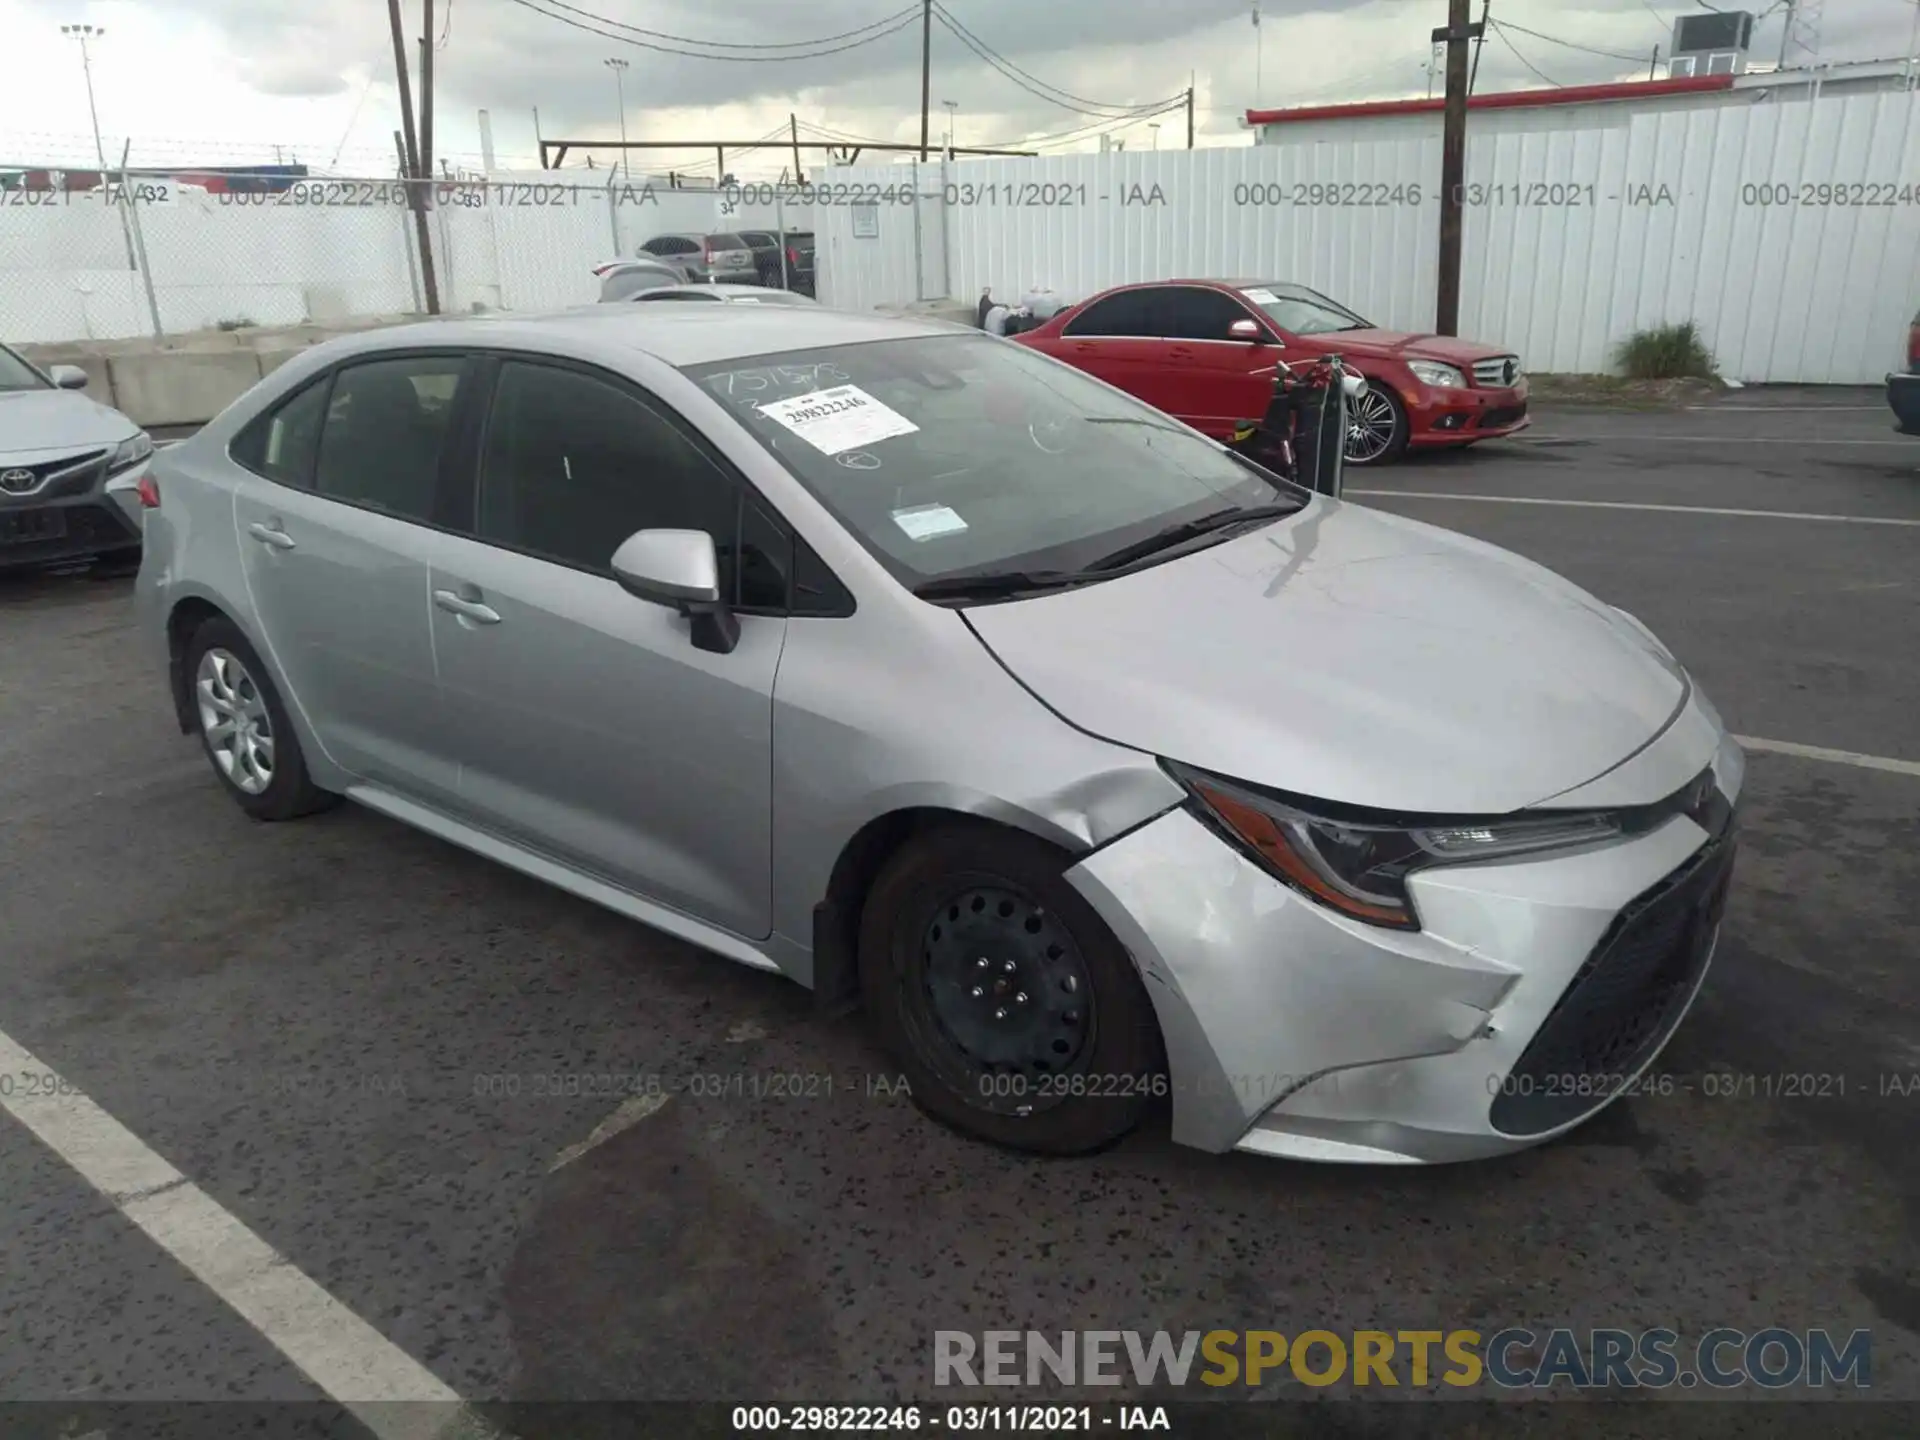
(1359, 865)
(129, 453)
(1434, 373)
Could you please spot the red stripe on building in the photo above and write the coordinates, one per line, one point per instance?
(1504, 100)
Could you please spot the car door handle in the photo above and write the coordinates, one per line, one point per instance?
(271, 535)
(473, 610)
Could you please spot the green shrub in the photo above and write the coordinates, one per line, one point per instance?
(1668, 352)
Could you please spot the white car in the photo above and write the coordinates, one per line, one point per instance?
(70, 469)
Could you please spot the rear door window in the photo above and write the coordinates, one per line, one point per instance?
(1139, 313)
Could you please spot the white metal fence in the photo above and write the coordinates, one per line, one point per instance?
(156, 256)
(1789, 231)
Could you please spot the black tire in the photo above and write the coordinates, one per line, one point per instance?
(290, 792)
(1397, 444)
(1109, 1065)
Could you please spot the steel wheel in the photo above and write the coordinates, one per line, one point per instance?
(1008, 996)
(234, 720)
(1372, 424)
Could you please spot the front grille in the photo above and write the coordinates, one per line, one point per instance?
(42, 471)
(1497, 373)
(1501, 415)
(1623, 1003)
(33, 534)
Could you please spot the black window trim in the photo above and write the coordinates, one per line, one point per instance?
(1251, 311)
(446, 482)
(479, 427)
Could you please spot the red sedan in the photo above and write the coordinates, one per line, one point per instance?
(1197, 349)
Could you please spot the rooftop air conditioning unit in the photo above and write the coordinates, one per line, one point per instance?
(1713, 44)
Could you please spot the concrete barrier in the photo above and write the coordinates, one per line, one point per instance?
(183, 388)
(188, 379)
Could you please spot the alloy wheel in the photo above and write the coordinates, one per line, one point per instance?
(1371, 423)
(234, 720)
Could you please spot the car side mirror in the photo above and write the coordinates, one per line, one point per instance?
(67, 377)
(681, 570)
(1247, 330)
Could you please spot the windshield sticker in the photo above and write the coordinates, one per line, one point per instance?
(1261, 297)
(928, 522)
(842, 418)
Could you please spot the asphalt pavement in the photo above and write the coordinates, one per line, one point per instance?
(340, 1030)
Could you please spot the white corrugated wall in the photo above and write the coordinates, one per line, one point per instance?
(1805, 292)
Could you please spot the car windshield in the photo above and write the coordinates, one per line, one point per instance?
(1302, 311)
(16, 374)
(960, 455)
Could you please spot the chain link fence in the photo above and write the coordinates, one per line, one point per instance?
(86, 257)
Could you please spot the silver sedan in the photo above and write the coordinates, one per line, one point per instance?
(70, 469)
(1097, 764)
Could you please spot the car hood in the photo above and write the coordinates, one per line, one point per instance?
(1404, 346)
(36, 420)
(1353, 656)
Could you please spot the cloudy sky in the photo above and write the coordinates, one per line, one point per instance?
(241, 81)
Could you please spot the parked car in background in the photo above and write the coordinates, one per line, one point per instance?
(729, 294)
(1097, 763)
(768, 252)
(71, 469)
(800, 261)
(1203, 351)
(720, 256)
(624, 279)
(1903, 387)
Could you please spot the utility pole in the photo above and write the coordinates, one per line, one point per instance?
(1189, 110)
(1453, 161)
(1256, 54)
(412, 153)
(793, 130)
(1653, 70)
(952, 106)
(926, 71)
(412, 176)
(426, 91)
(619, 68)
(1486, 11)
(1786, 33)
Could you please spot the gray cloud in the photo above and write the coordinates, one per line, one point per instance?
(505, 57)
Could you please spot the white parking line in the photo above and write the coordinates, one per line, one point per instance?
(1837, 757)
(1794, 409)
(1804, 442)
(1635, 505)
(354, 1364)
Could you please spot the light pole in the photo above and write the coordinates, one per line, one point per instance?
(84, 33)
(620, 90)
(1154, 126)
(952, 107)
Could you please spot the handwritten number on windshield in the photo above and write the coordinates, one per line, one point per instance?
(752, 387)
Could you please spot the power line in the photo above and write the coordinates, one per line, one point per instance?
(1570, 45)
(1053, 94)
(900, 21)
(1088, 132)
(1501, 31)
(907, 12)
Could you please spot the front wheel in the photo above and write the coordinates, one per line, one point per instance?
(1377, 428)
(1011, 1008)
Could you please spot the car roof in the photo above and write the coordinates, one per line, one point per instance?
(678, 335)
(724, 292)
